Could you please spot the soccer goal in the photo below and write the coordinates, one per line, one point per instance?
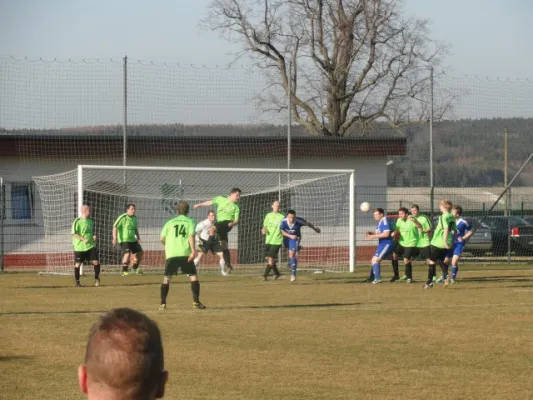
(323, 197)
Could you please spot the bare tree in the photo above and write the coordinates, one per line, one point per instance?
(351, 61)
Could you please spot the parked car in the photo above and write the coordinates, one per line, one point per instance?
(481, 241)
(518, 229)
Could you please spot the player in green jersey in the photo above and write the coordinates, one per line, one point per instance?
(422, 246)
(442, 241)
(84, 242)
(126, 233)
(228, 213)
(273, 239)
(406, 231)
(178, 237)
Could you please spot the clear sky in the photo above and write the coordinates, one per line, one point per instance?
(488, 38)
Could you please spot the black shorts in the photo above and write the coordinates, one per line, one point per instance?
(437, 254)
(86, 256)
(223, 229)
(131, 247)
(423, 252)
(174, 264)
(405, 252)
(215, 246)
(272, 250)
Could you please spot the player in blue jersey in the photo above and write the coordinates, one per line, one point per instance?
(385, 247)
(290, 228)
(464, 232)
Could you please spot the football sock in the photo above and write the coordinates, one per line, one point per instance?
(431, 272)
(267, 270)
(275, 269)
(77, 273)
(294, 264)
(164, 292)
(195, 288)
(376, 269)
(455, 268)
(227, 258)
(125, 267)
(409, 270)
(444, 268)
(135, 266)
(97, 271)
(395, 268)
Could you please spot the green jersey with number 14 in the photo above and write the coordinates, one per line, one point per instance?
(177, 232)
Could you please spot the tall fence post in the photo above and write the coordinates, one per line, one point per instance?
(431, 172)
(289, 122)
(125, 117)
(2, 217)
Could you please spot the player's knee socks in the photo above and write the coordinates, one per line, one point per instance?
(293, 262)
(376, 269)
(455, 268)
(371, 275)
(409, 270)
(431, 272)
(444, 268)
(275, 269)
(77, 273)
(135, 266)
(267, 270)
(227, 258)
(195, 288)
(125, 267)
(395, 268)
(97, 271)
(164, 292)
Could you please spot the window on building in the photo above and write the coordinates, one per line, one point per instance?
(21, 201)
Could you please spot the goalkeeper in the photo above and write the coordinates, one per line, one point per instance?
(203, 230)
(126, 233)
(228, 213)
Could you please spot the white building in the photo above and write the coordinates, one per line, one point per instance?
(22, 157)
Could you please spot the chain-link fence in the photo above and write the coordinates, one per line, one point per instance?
(60, 113)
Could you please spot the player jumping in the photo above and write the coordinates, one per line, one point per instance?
(203, 230)
(385, 243)
(291, 230)
(273, 240)
(228, 213)
(126, 233)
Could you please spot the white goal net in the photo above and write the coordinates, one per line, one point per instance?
(323, 197)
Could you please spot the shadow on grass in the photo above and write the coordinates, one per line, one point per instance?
(52, 312)
(15, 358)
(513, 278)
(316, 305)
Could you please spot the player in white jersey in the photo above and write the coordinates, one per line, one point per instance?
(203, 230)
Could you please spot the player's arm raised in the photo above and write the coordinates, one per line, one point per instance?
(204, 204)
(312, 226)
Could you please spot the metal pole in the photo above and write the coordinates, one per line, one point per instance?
(125, 120)
(352, 245)
(289, 122)
(431, 173)
(505, 160)
(2, 216)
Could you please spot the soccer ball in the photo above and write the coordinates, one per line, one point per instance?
(365, 207)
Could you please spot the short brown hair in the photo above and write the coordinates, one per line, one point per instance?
(459, 209)
(125, 353)
(183, 208)
(447, 204)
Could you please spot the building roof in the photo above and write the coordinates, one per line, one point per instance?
(162, 146)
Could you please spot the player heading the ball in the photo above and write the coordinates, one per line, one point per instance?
(228, 213)
(291, 230)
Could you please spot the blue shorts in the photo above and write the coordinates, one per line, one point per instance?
(457, 250)
(292, 244)
(384, 250)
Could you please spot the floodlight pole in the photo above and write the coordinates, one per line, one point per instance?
(431, 173)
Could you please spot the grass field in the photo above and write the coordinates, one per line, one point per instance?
(323, 337)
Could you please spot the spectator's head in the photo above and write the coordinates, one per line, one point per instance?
(124, 358)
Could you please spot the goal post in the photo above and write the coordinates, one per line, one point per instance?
(325, 197)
